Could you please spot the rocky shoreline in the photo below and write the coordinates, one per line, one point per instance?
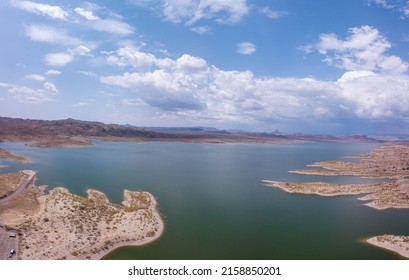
(61, 225)
(389, 161)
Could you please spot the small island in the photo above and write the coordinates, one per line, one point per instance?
(62, 225)
(389, 161)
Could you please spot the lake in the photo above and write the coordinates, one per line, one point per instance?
(214, 203)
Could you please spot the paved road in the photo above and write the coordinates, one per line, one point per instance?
(6, 244)
(23, 186)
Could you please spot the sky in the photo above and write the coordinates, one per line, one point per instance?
(319, 66)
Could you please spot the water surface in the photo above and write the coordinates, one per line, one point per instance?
(214, 203)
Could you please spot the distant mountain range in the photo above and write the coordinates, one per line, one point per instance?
(70, 132)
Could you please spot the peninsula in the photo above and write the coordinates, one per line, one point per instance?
(10, 155)
(389, 161)
(61, 225)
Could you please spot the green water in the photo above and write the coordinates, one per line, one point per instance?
(214, 204)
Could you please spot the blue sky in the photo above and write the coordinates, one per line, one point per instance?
(320, 66)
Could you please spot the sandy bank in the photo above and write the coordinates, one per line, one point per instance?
(390, 160)
(12, 156)
(387, 161)
(61, 225)
(381, 195)
(396, 243)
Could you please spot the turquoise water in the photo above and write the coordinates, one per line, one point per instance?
(214, 204)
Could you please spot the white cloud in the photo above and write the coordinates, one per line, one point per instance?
(24, 94)
(400, 6)
(106, 22)
(190, 64)
(364, 49)
(48, 34)
(188, 83)
(246, 48)
(112, 23)
(54, 12)
(188, 87)
(376, 96)
(382, 3)
(51, 88)
(130, 56)
(53, 72)
(190, 12)
(58, 59)
(89, 15)
(112, 26)
(273, 14)
(81, 50)
(35, 77)
(5, 85)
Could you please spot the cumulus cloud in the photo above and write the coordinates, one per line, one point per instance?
(188, 87)
(190, 84)
(54, 12)
(24, 94)
(80, 50)
(246, 48)
(51, 88)
(376, 96)
(364, 49)
(130, 56)
(58, 59)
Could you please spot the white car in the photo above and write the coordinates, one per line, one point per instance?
(12, 252)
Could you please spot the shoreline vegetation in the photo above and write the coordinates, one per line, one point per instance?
(61, 225)
(389, 161)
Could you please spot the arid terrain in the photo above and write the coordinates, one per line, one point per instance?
(61, 225)
(9, 155)
(74, 133)
(389, 161)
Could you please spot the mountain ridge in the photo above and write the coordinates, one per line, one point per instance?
(72, 132)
